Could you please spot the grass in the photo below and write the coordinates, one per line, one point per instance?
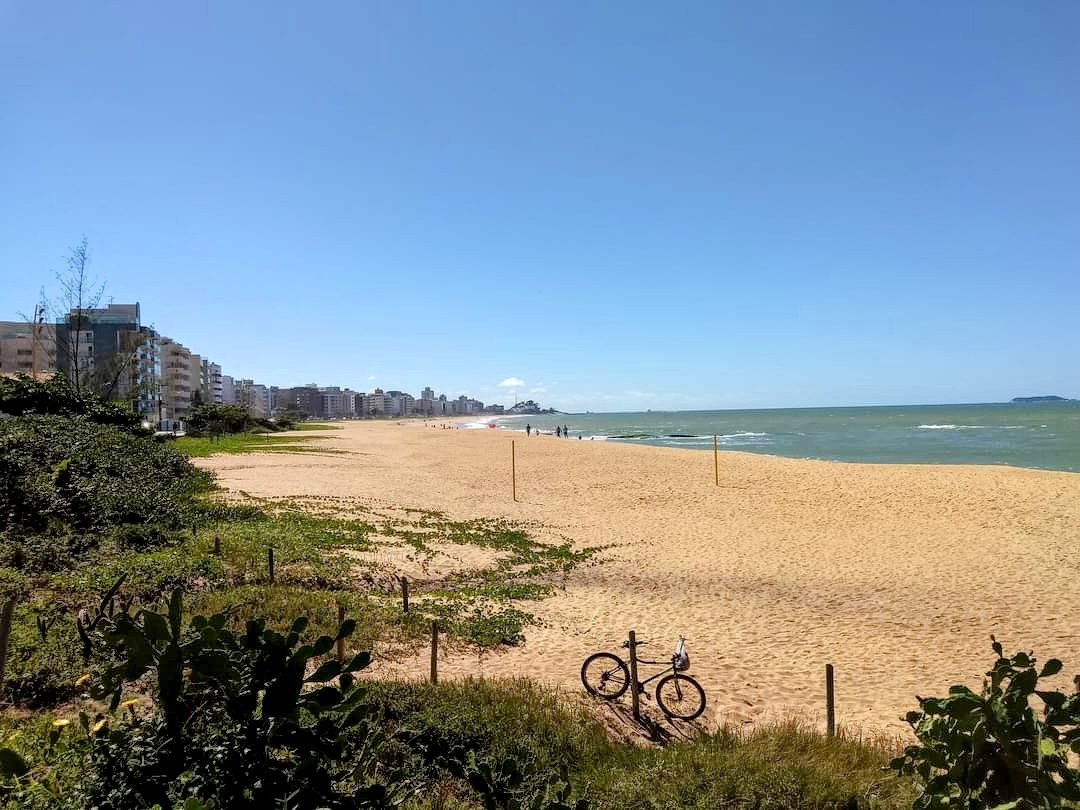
(315, 426)
(777, 767)
(201, 447)
(788, 765)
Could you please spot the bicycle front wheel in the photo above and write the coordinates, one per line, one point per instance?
(680, 697)
(605, 676)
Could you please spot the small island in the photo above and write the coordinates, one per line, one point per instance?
(1048, 398)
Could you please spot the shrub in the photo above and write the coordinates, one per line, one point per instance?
(22, 394)
(213, 419)
(68, 479)
(991, 749)
(237, 720)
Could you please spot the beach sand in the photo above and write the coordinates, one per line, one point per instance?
(895, 574)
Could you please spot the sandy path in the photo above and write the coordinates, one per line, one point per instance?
(895, 574)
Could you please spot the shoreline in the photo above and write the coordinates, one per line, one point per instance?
(895, 573)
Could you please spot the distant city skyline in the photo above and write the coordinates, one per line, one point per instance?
(623, 206)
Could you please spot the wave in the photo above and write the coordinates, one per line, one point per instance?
(742, 434)
(970, 427)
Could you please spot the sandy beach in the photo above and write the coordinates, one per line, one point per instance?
(896, 574)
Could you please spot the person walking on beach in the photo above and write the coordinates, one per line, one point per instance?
(558, 432)
(565, 432)
(528, 430)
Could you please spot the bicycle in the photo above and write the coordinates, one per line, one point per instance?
(607, 676)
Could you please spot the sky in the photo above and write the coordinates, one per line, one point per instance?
(618, 205)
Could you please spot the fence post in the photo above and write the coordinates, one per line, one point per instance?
(634, 697)
(270, 562)
(715, 461)
(340, 641)
(830, 702)
(5, 630)
(434, 652)
(513, 470)
(217, 545)
(404, 594)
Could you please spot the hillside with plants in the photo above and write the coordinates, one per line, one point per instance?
(163, 645)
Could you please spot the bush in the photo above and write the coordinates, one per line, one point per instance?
(213, 419)
(68, 479)
(22, 394)
(238, 721)
(991, 749)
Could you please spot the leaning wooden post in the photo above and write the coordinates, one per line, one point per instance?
(830, 702)
(513, 470)
(715, 461)
(5, 630)
(434, 652)
(341, 641)
(270, 562)
(217, 545)
(404, 594)
(634, 697)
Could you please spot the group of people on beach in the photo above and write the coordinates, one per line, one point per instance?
(562, 432)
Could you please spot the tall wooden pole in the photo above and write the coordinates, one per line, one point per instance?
(434, 652)
(715, 461)
(830, 702)
(634, 697)
(513, 470)
(5, 630)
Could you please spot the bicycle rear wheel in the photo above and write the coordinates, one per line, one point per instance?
(680, 697)
(605, 676)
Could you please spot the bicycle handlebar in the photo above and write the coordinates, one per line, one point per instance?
(626, 644)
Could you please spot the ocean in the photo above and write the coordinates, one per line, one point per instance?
(1043, 436)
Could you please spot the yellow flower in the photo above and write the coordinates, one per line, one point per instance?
(100, 724)
(61, 723)
(131, 703)
(84, 680)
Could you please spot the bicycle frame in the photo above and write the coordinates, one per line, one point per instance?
(670, 667)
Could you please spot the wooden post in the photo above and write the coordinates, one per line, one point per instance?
(340, 641)
(634, 697)
(270, 562)
(830, 702)
(5, 630)
(434, 652)
(404, 594)
(715, 461)
(217, 545)
(513, 470)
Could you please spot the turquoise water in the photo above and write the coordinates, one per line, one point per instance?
(1041, 436)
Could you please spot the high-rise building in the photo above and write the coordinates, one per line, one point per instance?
(181, 377)
(107, 350)
(216, 388)
(228, 390)
(254, 397)
(377, 403)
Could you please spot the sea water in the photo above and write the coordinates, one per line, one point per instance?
(1045, 436)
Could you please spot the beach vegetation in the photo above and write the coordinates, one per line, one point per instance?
(1007, 746)
(22, 394)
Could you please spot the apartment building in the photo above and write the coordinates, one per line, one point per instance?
(107, 350)
(254, 397)
(26, 349)
(228, 390)
(181, 376)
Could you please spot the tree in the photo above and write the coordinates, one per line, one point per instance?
(79, 293)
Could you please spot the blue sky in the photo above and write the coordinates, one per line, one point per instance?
(624, 205)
